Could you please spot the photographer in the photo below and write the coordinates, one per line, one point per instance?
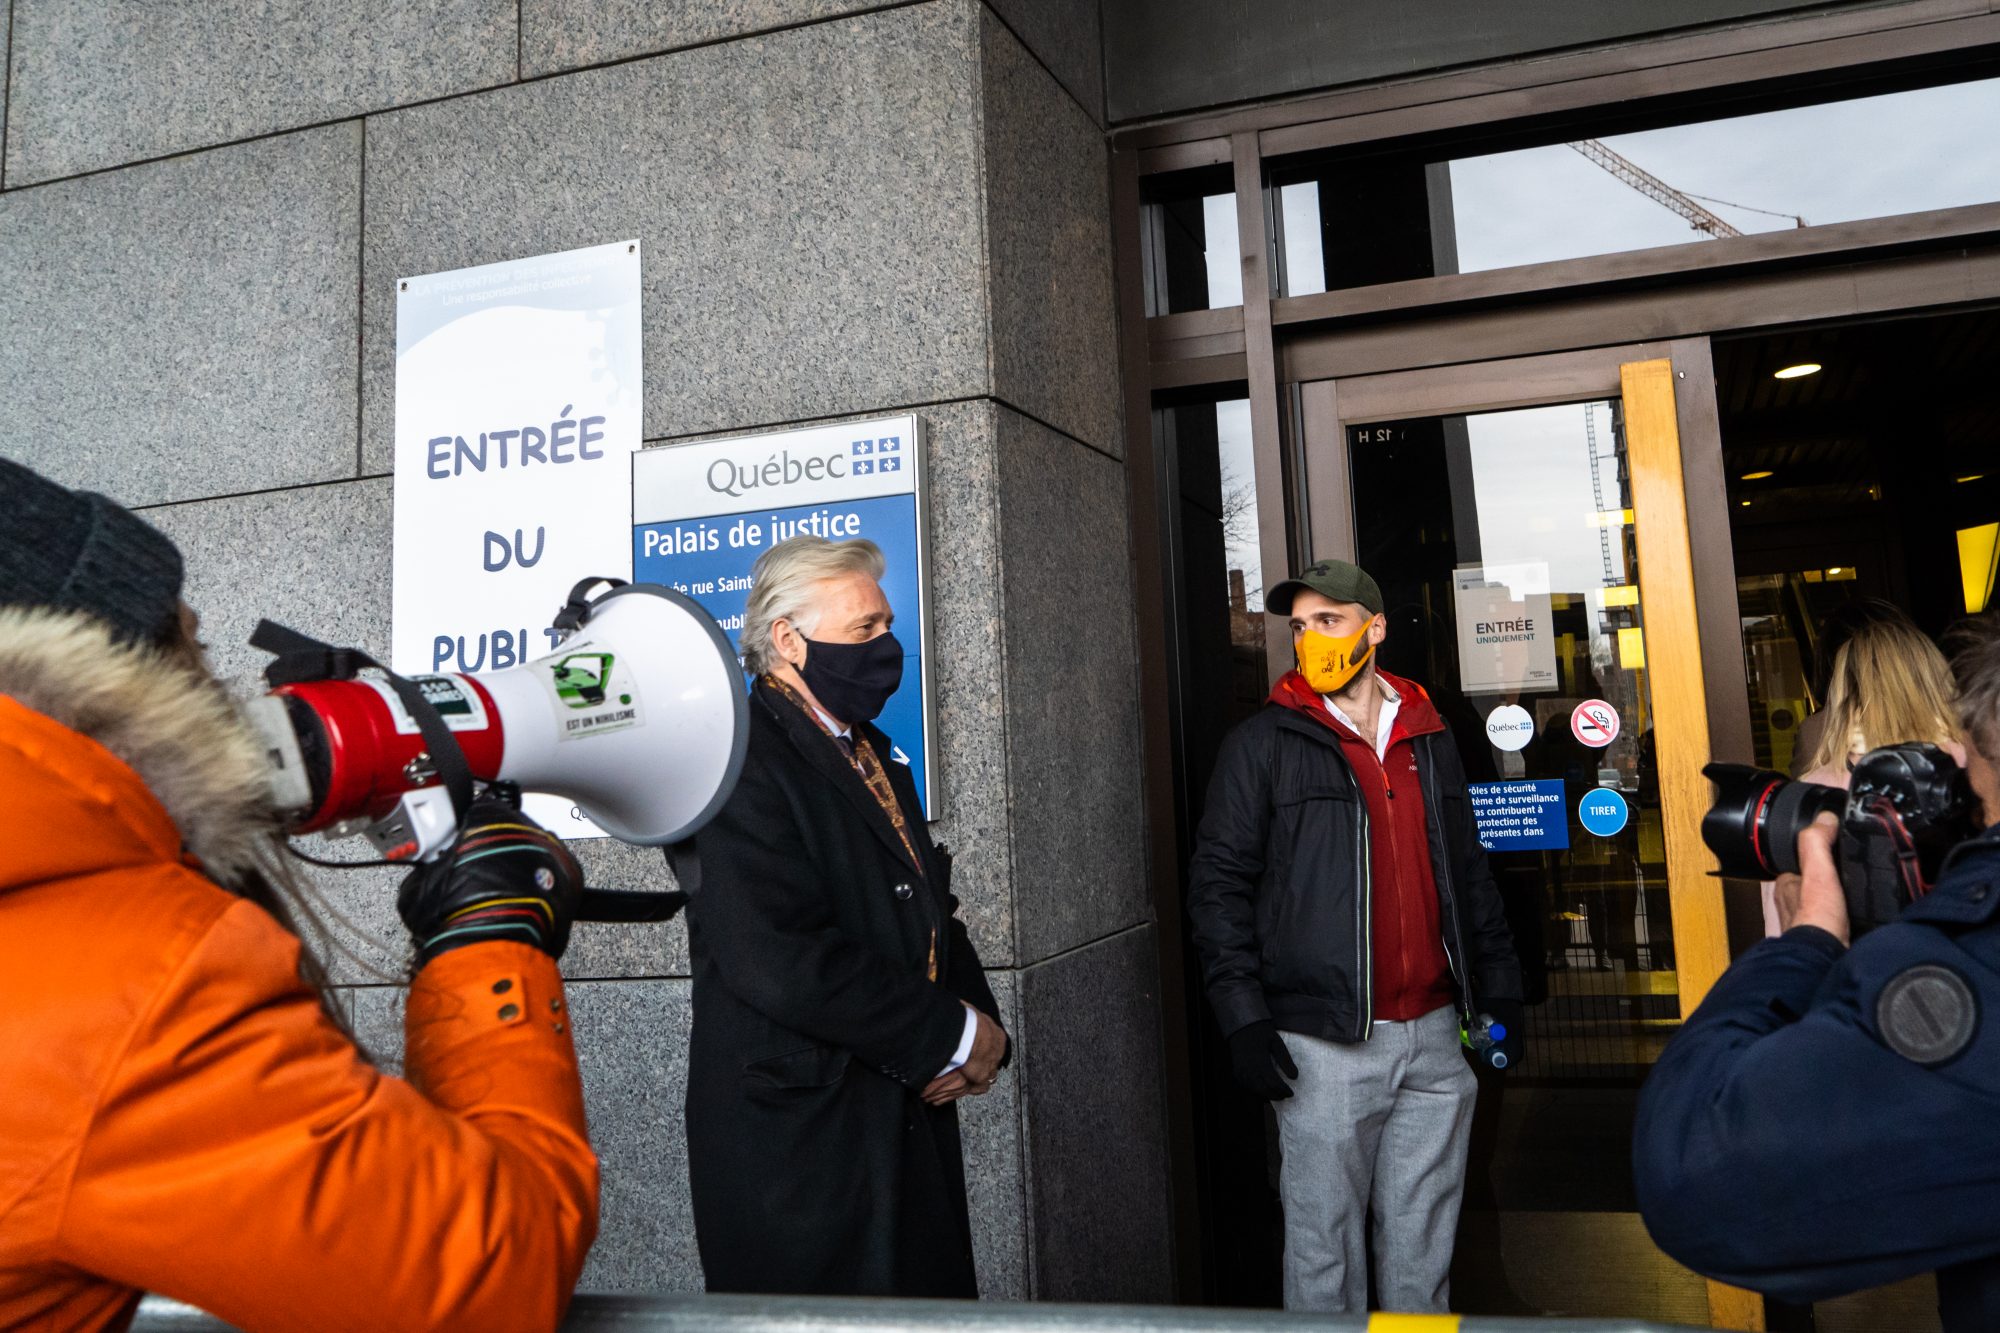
(185, 1110)
(1823, 1122)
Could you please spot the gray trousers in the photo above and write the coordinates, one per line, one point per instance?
(1377, 1127)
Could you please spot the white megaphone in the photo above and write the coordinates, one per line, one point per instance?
(639, 716)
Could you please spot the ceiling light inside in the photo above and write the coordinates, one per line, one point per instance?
(1757, 476)
(1977, 476)
(1800, 371)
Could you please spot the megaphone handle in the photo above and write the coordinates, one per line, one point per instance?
(627, 906)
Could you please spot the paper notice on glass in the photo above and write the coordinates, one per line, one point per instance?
(1506, 635)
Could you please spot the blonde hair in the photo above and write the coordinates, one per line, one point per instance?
(1889, 684)
(785, 586)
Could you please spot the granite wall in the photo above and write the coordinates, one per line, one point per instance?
(202, 212)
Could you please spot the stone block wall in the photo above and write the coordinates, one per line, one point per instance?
(847, 209)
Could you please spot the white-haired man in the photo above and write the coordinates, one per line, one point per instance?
(839, 1008)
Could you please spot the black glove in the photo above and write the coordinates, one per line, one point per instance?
(506, 878)
(1260, 1062)
(1508, 1014)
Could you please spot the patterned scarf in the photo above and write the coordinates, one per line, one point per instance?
(868, 765)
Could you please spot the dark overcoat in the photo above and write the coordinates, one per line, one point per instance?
(814, 1163)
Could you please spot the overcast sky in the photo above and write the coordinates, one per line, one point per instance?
(1873, 157)
(1531, 474)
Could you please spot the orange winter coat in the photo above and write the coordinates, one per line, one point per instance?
(176, 1112)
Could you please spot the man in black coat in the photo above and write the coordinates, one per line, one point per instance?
(839, 1008)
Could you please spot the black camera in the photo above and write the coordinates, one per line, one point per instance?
(1905, 808)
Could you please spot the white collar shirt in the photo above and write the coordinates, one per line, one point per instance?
(1385, 717)
(845, 733)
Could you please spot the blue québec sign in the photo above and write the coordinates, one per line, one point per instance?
(1522, 816)
(703, 512)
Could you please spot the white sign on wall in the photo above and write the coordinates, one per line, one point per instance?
(703, 512)
(1506, 631)
(518, 408)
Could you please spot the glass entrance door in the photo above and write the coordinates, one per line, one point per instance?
(1531, 540)
(1506, 542)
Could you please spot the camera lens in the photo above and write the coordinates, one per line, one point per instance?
(1753, 827)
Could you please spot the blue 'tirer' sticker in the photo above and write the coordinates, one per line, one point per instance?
(1603, 812)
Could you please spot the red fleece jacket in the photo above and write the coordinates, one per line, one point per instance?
(1412, 973)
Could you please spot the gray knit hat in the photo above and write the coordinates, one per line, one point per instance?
(82, 552)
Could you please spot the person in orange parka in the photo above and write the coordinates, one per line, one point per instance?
(183, 1109)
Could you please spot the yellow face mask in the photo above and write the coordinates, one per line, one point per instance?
(1328, 663)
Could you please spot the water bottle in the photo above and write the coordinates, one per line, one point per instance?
(1483, 1039)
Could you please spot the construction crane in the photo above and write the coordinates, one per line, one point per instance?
(1597, 489)
(1646, 183)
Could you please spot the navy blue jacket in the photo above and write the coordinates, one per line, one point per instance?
(1784, 1145)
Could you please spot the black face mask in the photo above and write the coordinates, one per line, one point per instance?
(853, 680)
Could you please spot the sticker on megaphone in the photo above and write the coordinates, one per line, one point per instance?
(592, 690)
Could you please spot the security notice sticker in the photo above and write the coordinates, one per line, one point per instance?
(1520, 816)
(593, 692)
(1506, 630)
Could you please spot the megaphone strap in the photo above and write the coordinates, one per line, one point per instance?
(300, 657)
(577, 608)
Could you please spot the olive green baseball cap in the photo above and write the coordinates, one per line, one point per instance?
(1330, 578)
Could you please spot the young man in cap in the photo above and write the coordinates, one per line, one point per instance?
(1348, 927)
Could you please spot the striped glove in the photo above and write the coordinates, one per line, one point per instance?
(506, 878)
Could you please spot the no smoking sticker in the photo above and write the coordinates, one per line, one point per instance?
(1595, 723)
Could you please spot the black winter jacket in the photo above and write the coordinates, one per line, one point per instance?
(1280, 893)
(815, 1167)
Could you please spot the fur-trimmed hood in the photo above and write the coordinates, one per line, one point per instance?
(178, 731)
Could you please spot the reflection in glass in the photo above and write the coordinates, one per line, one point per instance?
(1223, 562)
(1503, 542)
(1215, 606)
(1782, 618)
(1380, 219)
(1190, 243)
(1242, 550)
(1866, 157)
(1474, 525)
